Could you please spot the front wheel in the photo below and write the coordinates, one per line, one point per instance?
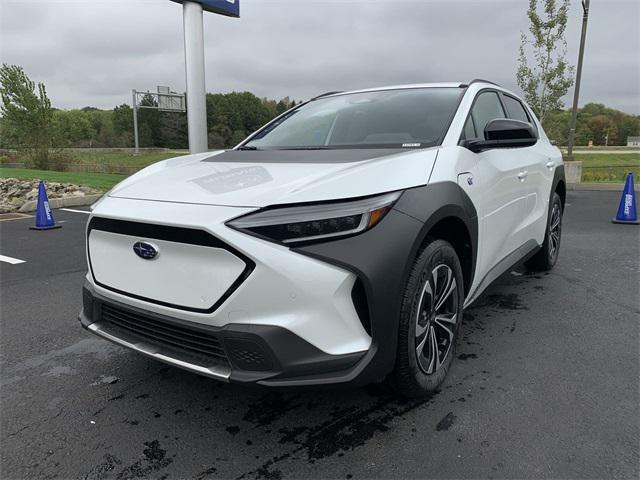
(547, 256)
(429, 320)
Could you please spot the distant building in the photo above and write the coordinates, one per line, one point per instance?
(633, 141)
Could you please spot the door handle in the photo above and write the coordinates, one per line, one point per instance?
(550, 165)
(522, 175)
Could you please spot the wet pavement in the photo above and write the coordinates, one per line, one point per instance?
(546, 383)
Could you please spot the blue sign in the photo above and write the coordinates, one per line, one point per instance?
(230, 8)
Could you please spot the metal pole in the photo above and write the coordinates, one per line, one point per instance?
(135, 122)
(194, 70)
(576, 92)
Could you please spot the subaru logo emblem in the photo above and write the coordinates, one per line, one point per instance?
(145, 250)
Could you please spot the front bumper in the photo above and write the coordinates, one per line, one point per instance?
(263, 354)
(320, 314)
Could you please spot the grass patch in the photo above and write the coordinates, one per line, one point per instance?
(608, 167)
(608, 159)
(122, 158)
(96, 161)
(99, 181)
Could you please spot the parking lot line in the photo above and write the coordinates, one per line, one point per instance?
(75, 211)
(4, 217)
(12, 261)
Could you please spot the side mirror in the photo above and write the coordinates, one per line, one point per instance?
(504, 133)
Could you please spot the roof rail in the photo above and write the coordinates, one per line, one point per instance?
(325, 94)
(478, 80)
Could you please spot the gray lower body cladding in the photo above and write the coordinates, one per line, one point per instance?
(382, 258)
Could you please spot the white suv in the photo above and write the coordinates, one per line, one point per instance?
(337, 244)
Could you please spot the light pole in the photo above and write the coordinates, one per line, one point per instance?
(194, 73)
(194, 64)
(576, 92)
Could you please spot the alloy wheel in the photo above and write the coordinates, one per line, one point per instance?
(554, 231)
(436, 319)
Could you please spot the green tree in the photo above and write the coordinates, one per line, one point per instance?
(122, 122)
(232, 116)
(173, 130)
(149, 123)
(598, 125)
(629, 127)
(122, 118)
(543, 73)
(27, 114)
(74, 127)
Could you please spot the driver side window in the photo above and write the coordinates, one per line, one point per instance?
(486, 108)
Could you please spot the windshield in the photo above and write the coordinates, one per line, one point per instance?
(406, 118)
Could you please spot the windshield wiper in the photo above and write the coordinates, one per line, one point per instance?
(247, 147)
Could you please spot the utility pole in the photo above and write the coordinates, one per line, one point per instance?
(576, 92)
(135, 122)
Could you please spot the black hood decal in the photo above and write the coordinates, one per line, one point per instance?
(304, 156)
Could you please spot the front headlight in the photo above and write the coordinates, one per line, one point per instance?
(318, 221)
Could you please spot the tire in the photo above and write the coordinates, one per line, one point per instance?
(436, 271)
(547, 256)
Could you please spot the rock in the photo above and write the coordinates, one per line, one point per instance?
(32, 194)
(15, 193)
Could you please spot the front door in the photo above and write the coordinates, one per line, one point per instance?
(499, 189)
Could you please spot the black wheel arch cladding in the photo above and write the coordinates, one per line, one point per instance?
(559, 185)
(383, 256)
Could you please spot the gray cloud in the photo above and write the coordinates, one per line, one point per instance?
(94, 53)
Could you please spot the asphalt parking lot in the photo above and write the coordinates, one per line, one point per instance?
(546, 384)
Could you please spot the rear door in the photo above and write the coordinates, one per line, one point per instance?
(539, 168)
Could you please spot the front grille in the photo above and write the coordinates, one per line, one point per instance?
(195, 343)
(188, 236)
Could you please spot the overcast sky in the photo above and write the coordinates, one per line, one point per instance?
(95, 52)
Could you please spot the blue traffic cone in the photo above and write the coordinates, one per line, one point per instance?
(44, 216)
(627, 212)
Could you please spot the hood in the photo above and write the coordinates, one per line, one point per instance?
(261, 178)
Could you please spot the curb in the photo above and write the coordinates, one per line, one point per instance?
(62, 202)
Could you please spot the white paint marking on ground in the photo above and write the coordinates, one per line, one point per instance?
(12, 261)
(14, 216)
(75, 211)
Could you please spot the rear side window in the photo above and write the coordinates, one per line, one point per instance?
(515, 109)
(486, 108)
